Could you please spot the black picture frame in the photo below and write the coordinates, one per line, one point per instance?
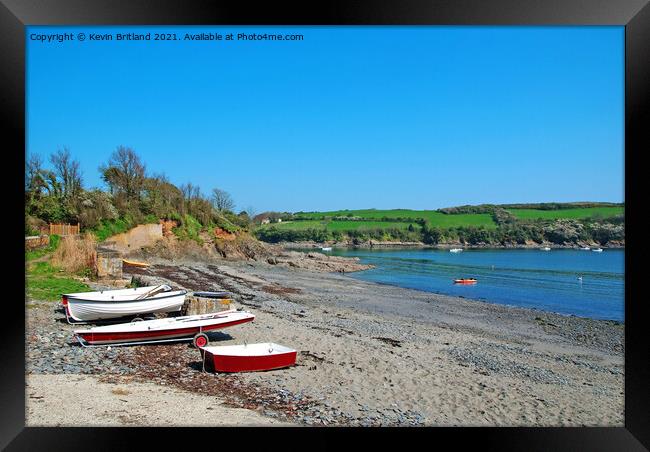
(633, 14)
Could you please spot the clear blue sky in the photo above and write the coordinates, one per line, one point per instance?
(350, 117)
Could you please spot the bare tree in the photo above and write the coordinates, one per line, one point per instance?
(190, 191)
(221, 200)
(68, 172)
(33, 173)
(250, 210)
(124, 173)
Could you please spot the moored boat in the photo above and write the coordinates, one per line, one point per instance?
(455, 250)
(326, 248)
(546, 248)
(248, 357)
(597, 250)
(465, 281)
(191, 327)
(110, 304)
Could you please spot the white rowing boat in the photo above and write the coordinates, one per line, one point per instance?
(163, 330)
(110, 304)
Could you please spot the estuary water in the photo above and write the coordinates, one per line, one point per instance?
(545, 280)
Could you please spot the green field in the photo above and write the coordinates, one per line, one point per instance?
(437, 219)
(533, 214)
(466, 226)
(372, 218)
(337, 225)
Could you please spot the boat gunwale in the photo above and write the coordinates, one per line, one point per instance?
(170, 294)
(214, 350)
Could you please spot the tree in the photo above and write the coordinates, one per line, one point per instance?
(124, 173)
(221, 200)
(250, 210)
(68, 173)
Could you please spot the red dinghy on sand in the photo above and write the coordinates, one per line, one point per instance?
(248, 357)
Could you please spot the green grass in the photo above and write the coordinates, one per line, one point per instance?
(338, 225)
(40, 252)
(45, 282)
(437, 219)
(533, 214)
(189, 229)
(108, 228)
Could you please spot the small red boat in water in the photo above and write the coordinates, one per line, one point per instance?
(465, 281)
(248, 357)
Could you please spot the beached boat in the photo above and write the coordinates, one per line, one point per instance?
(191, 327)
(585, 248)
(116, 294)
(326, 248)
(597, 250)
(110, 304)
(455, 250)
(465, 281)
(135, 263)
(248, 357)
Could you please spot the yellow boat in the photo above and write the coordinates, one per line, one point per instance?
(135, 264)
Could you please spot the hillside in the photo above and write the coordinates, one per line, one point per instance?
(519, 224)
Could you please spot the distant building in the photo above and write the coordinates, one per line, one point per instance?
(268, 217)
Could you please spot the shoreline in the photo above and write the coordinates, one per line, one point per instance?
(505, 305)
(446, 246)
(369, 354)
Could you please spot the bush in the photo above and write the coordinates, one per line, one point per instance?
(76, 255)
(189, 229)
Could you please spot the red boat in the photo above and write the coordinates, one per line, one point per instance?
(191, 327)
(248, 357)
(465, 281)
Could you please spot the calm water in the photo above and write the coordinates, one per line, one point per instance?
(545, 280)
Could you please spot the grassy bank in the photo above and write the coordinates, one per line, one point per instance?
(45, 282)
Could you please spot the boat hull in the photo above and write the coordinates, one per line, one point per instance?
(111, 295)
(83, 310)
(135, 264)
(217, 361)
(465, 281)
(141, 332)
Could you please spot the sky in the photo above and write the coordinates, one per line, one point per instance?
(346, 118)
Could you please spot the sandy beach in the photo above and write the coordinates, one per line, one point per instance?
(369, 354)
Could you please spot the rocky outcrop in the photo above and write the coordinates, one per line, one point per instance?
(318, 262)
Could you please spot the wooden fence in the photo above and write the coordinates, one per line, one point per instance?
(64, 229)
